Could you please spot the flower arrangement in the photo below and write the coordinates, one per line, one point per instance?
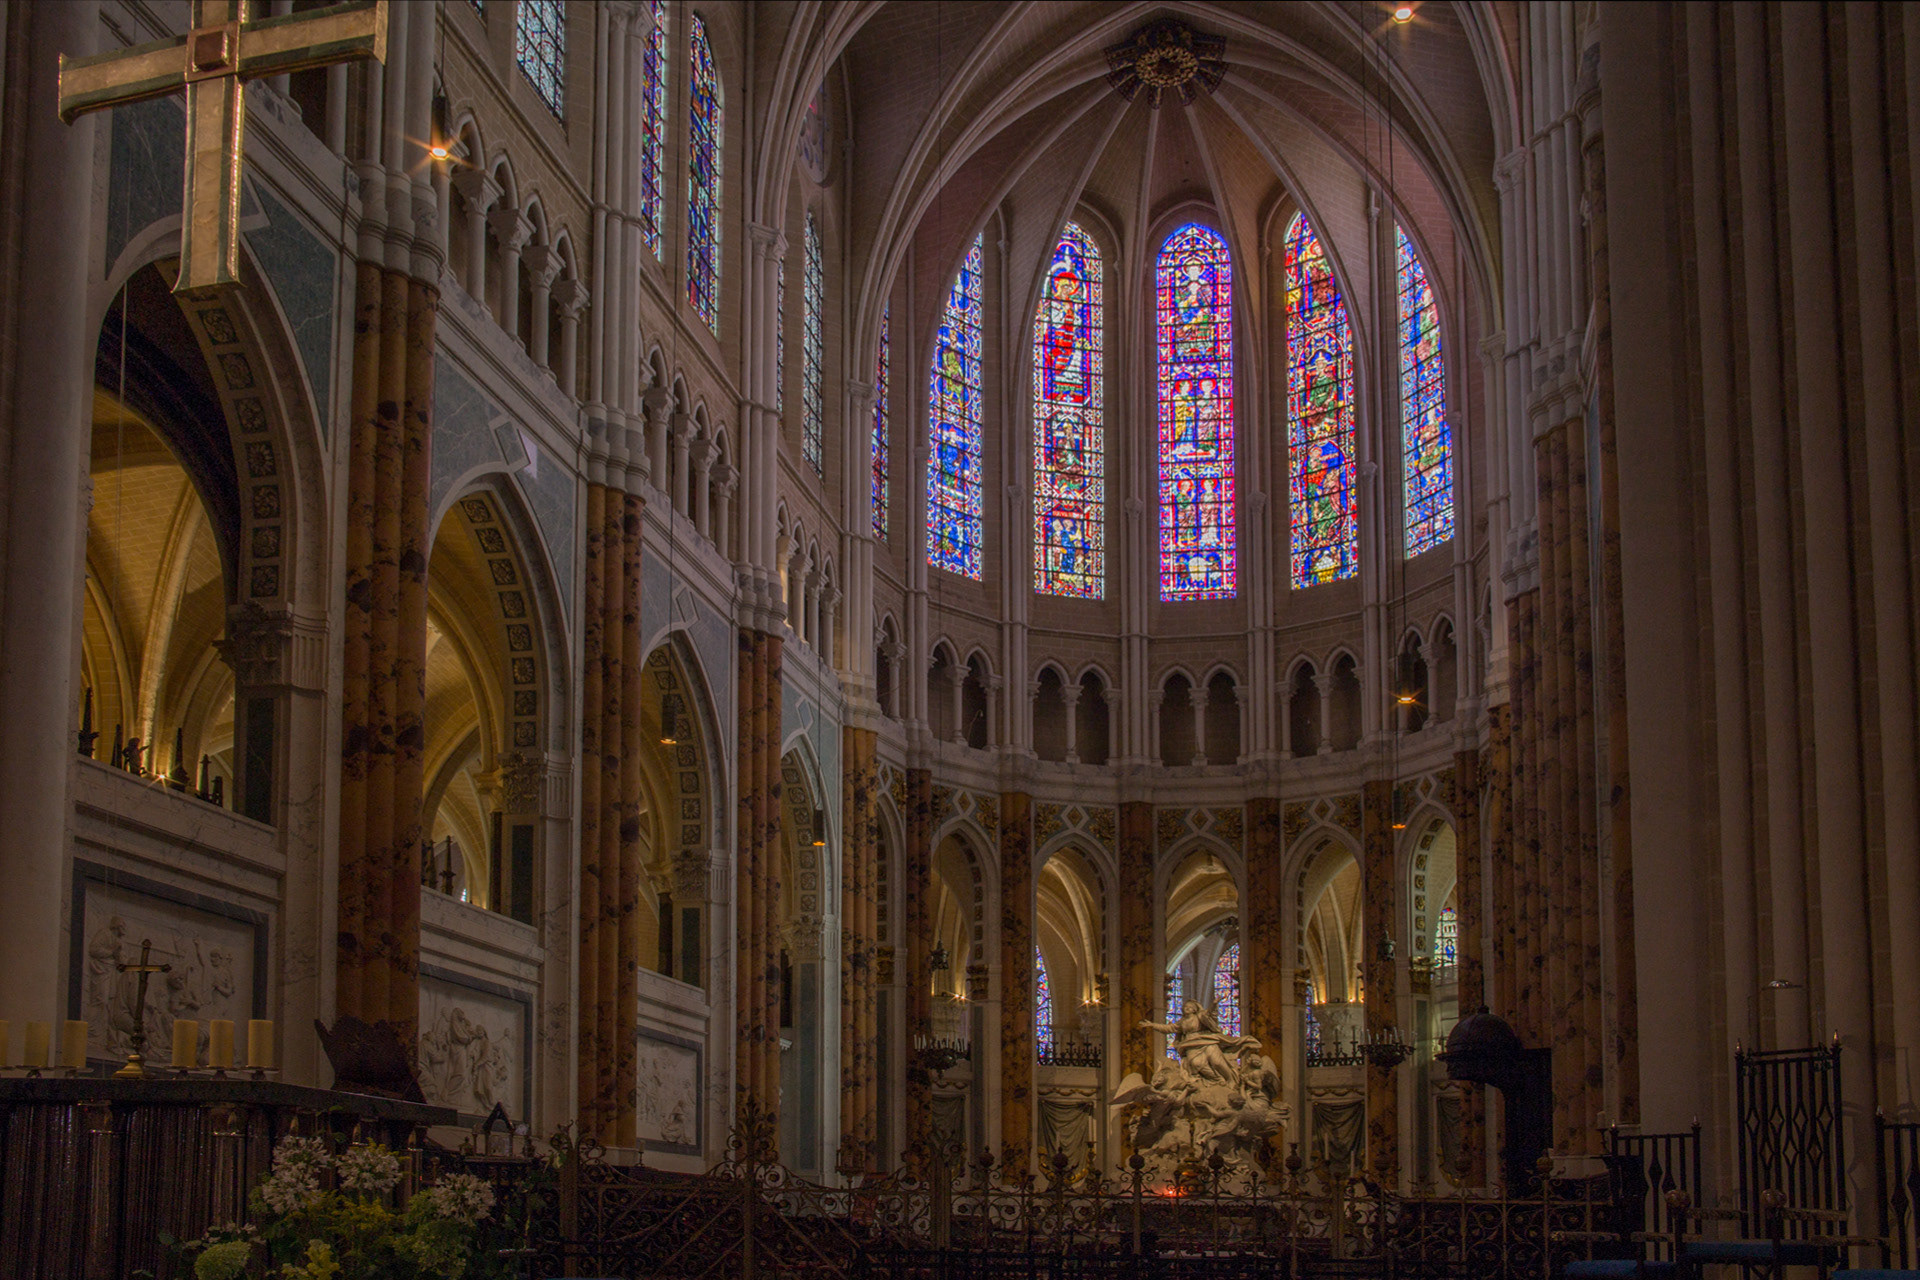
(302, 1229)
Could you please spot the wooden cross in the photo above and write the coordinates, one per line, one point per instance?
(222, 50)
(136, 1061)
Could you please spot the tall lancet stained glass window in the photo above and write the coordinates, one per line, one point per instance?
(1042, 1003)
(1176, 1005)
(1069, 448)
(1426, 439)
(953, 428)
(1226, 990)
(1322, 472)
(780, 339)
(880, 427)
(653, 125)
(813, 299)
(1193, 288)
(540, 46)
(703, 181)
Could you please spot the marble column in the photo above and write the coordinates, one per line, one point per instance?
(1265, 966)
(1141, 988)
(758, 875)
(46, 432)
(916, 909)
(858, 929)
(1377, 899)
(1471, 970)
(1017, 1100)
(591, 1038)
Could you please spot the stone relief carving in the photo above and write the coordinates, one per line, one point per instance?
(211, 975)
(470, 1049)
(669, 1110)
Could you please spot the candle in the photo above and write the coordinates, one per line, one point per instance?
(186, 1043)
(220, 1043)
(73, 1044)
(39, 1039)
(259, 1043)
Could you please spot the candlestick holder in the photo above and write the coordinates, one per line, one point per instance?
(259, 1074)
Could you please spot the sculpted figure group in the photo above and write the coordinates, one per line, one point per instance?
(1219, 1096)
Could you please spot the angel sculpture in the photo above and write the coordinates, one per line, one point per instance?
(1222, 1095)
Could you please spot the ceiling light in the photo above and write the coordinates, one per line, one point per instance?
(1403, 14)
(438, 151)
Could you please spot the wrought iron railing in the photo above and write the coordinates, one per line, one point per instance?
(1662, 1163)
(1787, 1105)
(1897, 1162)
(1069, 1053)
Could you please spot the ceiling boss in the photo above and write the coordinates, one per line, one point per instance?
(221, 51)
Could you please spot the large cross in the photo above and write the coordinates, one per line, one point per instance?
(223, 49)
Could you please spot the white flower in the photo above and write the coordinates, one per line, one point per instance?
(371, 1170)
(459, 1197)
(291, 1188)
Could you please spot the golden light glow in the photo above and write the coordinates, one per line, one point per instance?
(1403, 14)
(439, 151)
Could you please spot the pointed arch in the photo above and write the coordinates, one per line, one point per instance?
(954, 420)
(1193, 288)
(653, 125)
(1323, 471)
(1069, 448)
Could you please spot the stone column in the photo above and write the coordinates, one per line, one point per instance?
(1471, 985)
(957, 677)
(1243, 730)
(703, 453)
(1264, 962)
(513, 229)
(46, 432)
(896, 659)
(682, 445)
(478, 192)
(543, 265)
(1070, 695)
(571, 296)
(1017, 1100)
(1378, 913)
(1286, 720)
(1323, 684)
(829, 600)
(657, 402)
(994, 684)
(1198, 695)
(859, 935)
(725, 480)
(816, 583)
(916, 882)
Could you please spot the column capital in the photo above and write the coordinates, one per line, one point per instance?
(543, 264)
(571, 297)
(727, 477)
(691, 872)
(512, 227)
(768, 242)
(704, 453)
(477, 189)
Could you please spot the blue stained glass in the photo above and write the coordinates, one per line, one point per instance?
(540, 46)
(879, 461)
(812, 351)
(1193, 287)
(703, 181)
(653, 126)
(780, 339)
(1446, 938)
(1069, 451)
(954, 416)
(1176, 1000)
(1321, 478)
(1426, 439)
(1042, 1003)
(1226, 990)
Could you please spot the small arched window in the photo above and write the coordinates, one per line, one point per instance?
(703, 180)
(813, 350)
(1193, 287)
(1426, 440)
(1226, 990)
(1069, 452)
(954, 419)
(653, 125)
(1321, 488)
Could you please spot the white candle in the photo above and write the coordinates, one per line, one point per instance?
(39, 1040)
(73, 1044)
(259, 1042)
(220, 1043)
(186, 1042)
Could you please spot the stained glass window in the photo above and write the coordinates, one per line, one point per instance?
(1321, 488)
(1226, 990)
(780, 338)
(1176, 998)
(1426, 440)
(813, 298)
(953, 431)
(1446, 938)
(1042, 1003)
(703, 182)
(1193, 284)
(653, 126)
(1069, 451)
(880, 429)
(540, 45)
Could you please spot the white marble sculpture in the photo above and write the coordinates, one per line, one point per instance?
(1220, 1096)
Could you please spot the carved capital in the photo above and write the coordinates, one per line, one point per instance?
(976, 981)
(692, 871)
(570, 296)
(804, 938)
(511, 227)
(520, 776)
(543, 264)
(477, 189)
